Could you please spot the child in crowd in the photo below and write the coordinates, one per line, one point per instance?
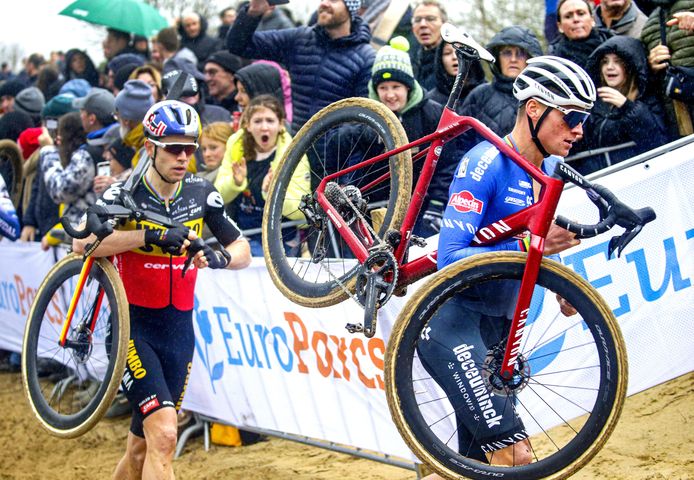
(213, 144)
(251, 156)
(625, 110)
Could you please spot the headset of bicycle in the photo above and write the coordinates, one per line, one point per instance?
(168, 118)
(557, 83)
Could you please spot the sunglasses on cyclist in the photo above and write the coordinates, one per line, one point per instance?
(572, 117)
(177, 148)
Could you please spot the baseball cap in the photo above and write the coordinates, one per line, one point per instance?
(98, 101)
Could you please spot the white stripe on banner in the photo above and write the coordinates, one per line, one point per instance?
(264, 362)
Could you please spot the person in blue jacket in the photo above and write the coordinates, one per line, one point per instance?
(328, 61)
(555, 97)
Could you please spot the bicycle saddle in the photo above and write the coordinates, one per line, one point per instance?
(453, 34)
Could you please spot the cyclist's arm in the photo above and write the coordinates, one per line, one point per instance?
(226, 231)
(240, 251)
(468, 209)
(118, 242)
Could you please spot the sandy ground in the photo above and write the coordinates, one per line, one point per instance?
(654, 440)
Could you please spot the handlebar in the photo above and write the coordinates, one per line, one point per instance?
(612, 212)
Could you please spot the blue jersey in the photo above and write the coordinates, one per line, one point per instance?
(487, 187)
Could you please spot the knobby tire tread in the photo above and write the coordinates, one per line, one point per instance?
(123, 318)
(402, 323)
(402, 171)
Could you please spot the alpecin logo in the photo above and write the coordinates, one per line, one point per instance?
(466, 202)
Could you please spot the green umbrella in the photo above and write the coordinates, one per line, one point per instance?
(132, 16)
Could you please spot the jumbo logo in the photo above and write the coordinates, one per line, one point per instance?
(466, 202)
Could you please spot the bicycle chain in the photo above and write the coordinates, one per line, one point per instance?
(380, 244)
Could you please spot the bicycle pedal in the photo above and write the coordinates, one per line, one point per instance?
(354, 327)
(418, 241)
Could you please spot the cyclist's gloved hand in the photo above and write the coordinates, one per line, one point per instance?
(433, 216)
(216, 258)
(170, 240)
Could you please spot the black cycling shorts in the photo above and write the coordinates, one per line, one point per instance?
(453, 353)
(160, 352)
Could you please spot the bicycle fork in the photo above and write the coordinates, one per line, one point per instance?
(81, 281)
(520, 314)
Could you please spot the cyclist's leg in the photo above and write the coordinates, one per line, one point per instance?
(453, 353)
(159, 355)
(130, 465)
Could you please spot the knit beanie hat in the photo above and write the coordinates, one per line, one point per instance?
(134, 100)
(392, 64)
(30, 101)
(353, 7)
(78, 87)
(11, 88)
(58, 106)
(28, 141)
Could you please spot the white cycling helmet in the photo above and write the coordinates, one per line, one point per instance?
(171, 117)
(556, 81)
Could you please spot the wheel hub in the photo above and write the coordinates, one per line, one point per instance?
(499, 385)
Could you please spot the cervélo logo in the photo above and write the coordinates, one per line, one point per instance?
(466, 202)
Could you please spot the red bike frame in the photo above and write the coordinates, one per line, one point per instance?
(535, 218)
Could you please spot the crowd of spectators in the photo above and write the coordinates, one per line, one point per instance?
(69, 116)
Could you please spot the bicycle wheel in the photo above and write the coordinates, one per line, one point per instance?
(308, 261)
(567, 391)
(89, 368)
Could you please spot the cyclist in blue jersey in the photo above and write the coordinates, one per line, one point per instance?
(150, 261)
(9, 222)
(555, 97)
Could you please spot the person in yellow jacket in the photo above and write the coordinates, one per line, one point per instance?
(251, 157)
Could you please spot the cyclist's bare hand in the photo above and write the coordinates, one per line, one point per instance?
(258, 7)
(559, 239)
(566, 308)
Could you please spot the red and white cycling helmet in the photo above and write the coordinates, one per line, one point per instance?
(171, 117)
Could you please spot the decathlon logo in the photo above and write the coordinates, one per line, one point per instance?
(466, 202)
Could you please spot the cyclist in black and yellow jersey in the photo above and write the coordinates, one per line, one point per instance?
(151, 261)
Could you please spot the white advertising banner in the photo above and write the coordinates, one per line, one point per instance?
(262, 361)
(23, 266)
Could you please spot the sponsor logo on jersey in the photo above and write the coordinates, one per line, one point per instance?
(524, 184)
(462, 168)
(466, 202)
(112, 192)
(516, 190)
(483, 163)
(214, 199)
(473, 387)
(149, 405)
(515, 201)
